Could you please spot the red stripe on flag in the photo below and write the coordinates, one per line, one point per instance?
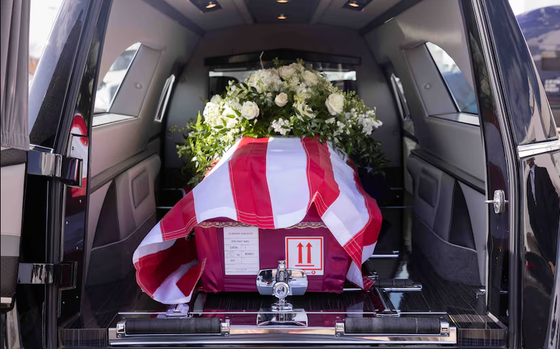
(188, 282)
(247, 170)
(180, 220)
(373, 227)
(323, 188)
(153, 269)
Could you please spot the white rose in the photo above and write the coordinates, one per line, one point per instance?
(281, 99)
(250, 110)
(216, 99)
(310, 78)
(286, 71)
(335, 103)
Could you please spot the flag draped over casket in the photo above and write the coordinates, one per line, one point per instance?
(266, 182)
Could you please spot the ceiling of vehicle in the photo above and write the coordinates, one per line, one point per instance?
(236, 12)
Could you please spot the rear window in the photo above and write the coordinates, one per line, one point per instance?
(458, 86)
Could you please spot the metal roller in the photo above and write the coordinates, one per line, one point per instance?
(390, 325)
(170, 326)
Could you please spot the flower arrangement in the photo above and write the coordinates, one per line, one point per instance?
(290, 100)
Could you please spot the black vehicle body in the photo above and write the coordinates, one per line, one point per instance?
(517, 130)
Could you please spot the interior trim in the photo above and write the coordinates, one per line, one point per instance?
(281, 54)
(391, 13)
(10, 157)
(106, 176)
(451, 170)
(526, 150)
(463, 118)
(172, 13)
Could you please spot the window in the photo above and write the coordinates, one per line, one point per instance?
(401, 100)
(42, 15)
(107, 90)
(164, 98)
(458, 86)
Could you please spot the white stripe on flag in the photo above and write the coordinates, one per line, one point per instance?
(152, 243)
(213, 196)
(348, 214)
(168, 292)
(286, 175)
(368, 251)
(355, 276)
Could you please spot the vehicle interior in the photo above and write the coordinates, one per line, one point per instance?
(410, 59)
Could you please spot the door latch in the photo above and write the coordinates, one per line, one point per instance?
(44, 162)
(499, 201)
(64, 275)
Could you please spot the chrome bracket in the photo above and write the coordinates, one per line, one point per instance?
(178, 311)
(499, 201)
(281, 283)
(64, 274)
(291, 318)
(44, 162)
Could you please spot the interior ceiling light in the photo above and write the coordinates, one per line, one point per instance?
(206, 6)
(282, 16)
(356, 5)
(282, 1)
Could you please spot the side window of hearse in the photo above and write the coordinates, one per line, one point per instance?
(107, 89)
(457, 85)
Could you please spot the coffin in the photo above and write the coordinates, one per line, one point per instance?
(235, 253)
(291, 198)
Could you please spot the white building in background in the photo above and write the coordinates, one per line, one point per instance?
(522, 6)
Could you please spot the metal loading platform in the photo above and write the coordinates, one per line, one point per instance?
(353, 317)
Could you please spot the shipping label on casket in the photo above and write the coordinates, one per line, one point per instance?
(305, 253)
(241, 250)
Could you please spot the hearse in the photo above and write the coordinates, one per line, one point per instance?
(467, 253)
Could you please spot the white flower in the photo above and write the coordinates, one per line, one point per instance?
(211, 113)
(286, 71)
(335, 103)
(297, 67)
(305, 110)
(265, 80)
(230, 116)
(216, 99)
(281, 126)
(250, 110)
(330, 121)
(310, 78)
(281, 99)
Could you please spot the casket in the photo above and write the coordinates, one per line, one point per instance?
(235, 252)
(267, 199)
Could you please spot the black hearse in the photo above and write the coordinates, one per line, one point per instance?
(468, 250)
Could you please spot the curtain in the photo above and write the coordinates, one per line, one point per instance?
(14, 73)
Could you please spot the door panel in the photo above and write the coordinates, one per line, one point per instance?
(12, 191)
(442, 227)
(125, 211)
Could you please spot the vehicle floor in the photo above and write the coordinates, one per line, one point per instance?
(102, 303)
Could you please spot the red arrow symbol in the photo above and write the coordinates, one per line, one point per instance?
(300, 254)
(308, 252)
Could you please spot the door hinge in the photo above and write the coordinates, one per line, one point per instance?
(43, 161)
(64, 274)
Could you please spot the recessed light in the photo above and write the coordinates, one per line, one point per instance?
(282, 16)
(282, 1)
(356, 5)
(210, 5)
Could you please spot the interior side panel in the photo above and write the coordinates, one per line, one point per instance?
(441, 226)
(127, 214)
(12, 190)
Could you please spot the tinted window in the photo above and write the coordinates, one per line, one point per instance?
(108, 88)
(457, 84)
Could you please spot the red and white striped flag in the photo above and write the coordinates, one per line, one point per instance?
(269, 183)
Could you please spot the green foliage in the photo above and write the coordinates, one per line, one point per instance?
(291, 101)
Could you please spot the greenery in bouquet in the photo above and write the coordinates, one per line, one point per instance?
(291, 100)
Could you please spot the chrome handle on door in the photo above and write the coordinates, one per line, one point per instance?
(499, 201)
